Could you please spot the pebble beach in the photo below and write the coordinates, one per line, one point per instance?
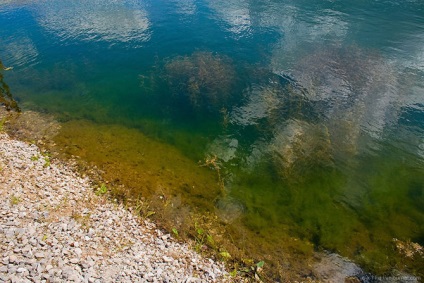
(55, 228)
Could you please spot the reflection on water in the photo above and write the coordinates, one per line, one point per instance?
(299, 146)
(314, 111)
(236, 14)
(355, 84)
(261, 102)
(327, 133)
(112, 21)
(224, 147)
(186, 7)
(20, 53)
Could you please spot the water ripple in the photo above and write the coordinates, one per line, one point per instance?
(109, 21)
(19, 52)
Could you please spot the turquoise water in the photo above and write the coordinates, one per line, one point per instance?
(314, 109)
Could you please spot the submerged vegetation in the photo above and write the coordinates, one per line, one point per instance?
(283, 172)
(201, 85)
(203, 80)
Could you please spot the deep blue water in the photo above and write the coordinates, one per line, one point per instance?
(315, 109)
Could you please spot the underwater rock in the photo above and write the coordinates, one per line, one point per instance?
(334, 268)
(204, 80)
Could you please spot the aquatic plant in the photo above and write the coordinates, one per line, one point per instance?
(143, 209)
(408, 248)
(227, 208)
(215, 164)
(203, 79)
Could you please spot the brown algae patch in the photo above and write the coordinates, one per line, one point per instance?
(144, 166)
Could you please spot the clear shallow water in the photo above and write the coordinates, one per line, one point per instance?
(314, 110)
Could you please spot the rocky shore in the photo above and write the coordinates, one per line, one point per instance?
(55, 228)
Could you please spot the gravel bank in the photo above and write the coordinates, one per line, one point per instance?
(53, 228)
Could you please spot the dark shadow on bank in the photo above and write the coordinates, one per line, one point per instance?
(6, 97)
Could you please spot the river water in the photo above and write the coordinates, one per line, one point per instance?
(308, 116)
